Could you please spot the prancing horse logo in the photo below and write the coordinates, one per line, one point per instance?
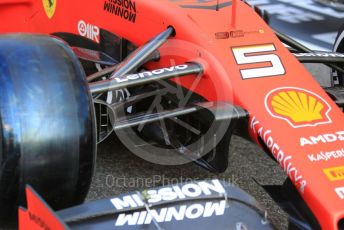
(49, 7)
(51, 2)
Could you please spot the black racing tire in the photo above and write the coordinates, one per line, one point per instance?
(47, 128)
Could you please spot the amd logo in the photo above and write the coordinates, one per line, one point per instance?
(324, 138)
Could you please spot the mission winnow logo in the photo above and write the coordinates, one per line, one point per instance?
(178, 213)
(125, 9)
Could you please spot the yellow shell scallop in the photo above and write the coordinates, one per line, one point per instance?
(298, 106)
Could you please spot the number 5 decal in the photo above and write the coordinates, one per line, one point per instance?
(264, 62)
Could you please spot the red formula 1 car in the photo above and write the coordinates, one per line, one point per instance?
(175, 79)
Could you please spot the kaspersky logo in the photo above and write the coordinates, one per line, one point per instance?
(298, 107)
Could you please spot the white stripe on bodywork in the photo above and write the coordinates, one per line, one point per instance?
(340, 38)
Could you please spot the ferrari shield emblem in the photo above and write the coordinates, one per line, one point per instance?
(49, 7)
(299, 107)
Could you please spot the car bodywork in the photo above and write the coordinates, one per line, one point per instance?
(243, 63)
(200, 205)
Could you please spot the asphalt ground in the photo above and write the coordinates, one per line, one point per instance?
(119, 171)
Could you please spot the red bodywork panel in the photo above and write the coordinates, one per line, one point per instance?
(290, 112)
(38, 215)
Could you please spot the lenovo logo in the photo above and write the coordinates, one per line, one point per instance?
(153, 73)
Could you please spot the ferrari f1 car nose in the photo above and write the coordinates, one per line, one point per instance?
(196, 205)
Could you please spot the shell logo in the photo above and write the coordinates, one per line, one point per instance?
(299, 107)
